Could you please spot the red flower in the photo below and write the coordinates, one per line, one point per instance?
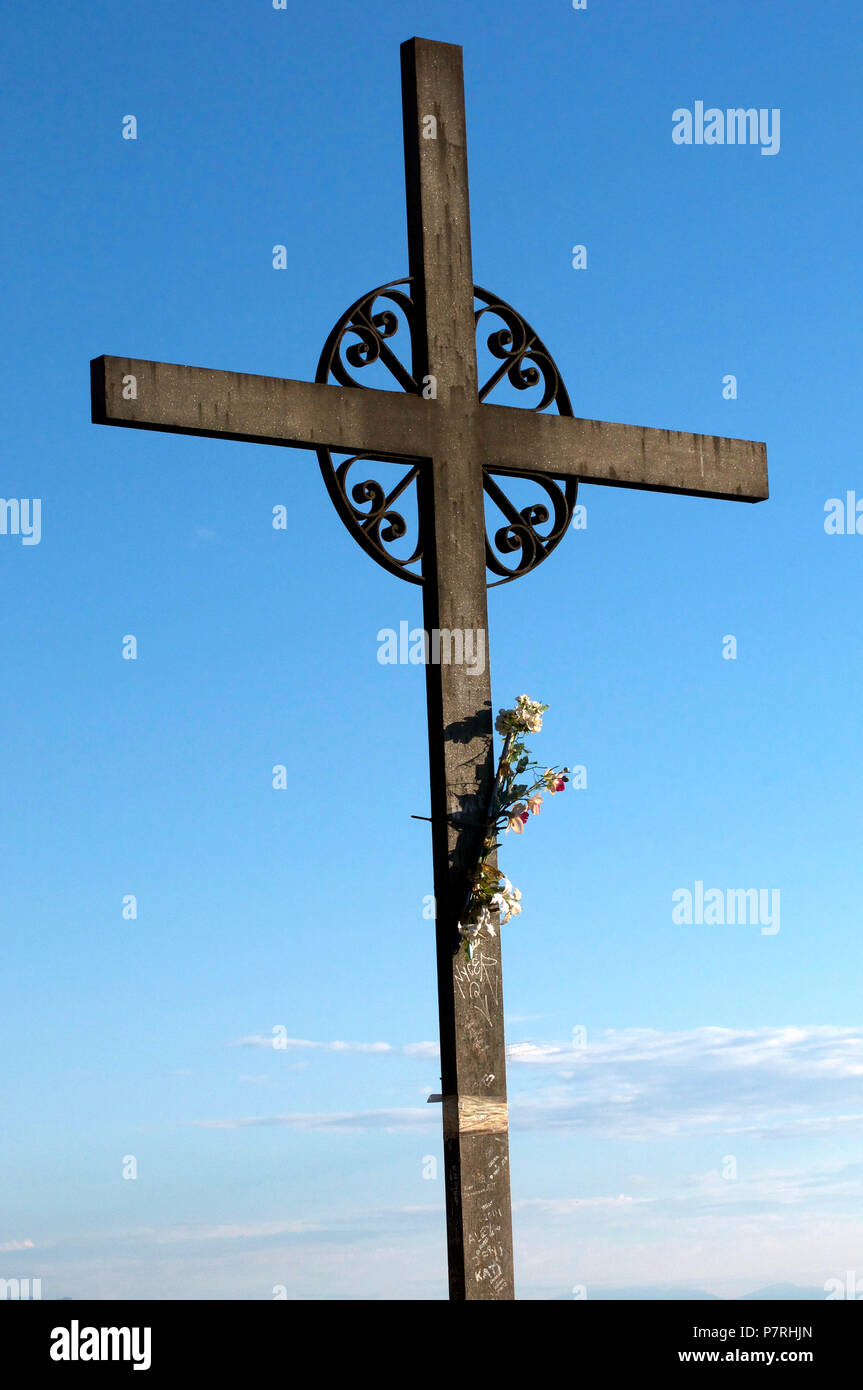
(559, 785)
(523, 817)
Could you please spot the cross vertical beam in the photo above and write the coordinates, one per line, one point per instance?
(461, 747)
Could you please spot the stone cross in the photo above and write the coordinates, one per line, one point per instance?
(455, 446)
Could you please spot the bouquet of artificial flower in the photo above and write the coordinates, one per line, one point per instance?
(513, 803)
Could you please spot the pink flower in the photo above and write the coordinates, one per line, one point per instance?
(533, 804)
(516, 818)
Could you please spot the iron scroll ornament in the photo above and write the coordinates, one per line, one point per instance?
(364, 337)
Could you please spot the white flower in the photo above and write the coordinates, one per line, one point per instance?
(528, 714)
(507, 901)
(525, 716)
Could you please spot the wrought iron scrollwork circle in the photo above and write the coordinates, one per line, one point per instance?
(527, 364)
(362, 337)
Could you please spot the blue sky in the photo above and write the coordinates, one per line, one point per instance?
(302, 909)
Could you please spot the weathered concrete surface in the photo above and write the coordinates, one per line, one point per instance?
(597, 451)
(461, 738)
(302, 414)
(257, 409)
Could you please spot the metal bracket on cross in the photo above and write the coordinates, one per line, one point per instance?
(370, 334)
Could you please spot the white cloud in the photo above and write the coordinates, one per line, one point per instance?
(254, 1230)
(407, 1118)
(419, 1049)
(641, 1083)
(575, 1206)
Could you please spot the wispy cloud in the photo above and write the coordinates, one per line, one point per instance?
(281, 1044)
(365, 1220)
(250, 1230)
(644, 1084)
(772, 1225)
(640, 1083)
(576, 1206)
(408, 1118)
(813, 1051)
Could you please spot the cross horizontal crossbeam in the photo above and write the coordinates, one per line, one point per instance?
(391, 424)
(257, 409)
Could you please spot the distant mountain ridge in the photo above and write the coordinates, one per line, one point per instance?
(772, 1293)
